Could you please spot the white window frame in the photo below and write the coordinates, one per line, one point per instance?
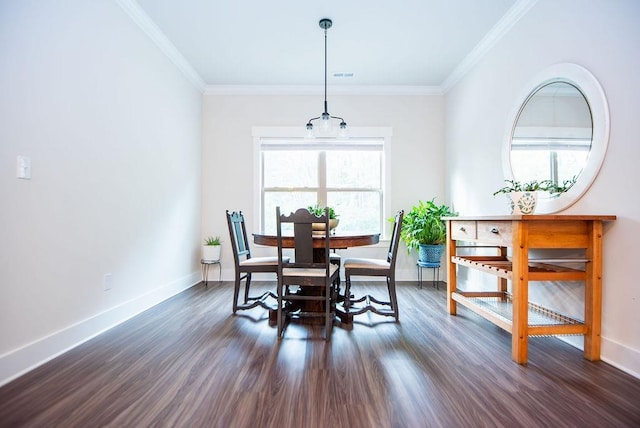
(277, 132)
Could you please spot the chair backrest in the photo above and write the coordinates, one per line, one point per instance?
(395, 239)
(238, 234)
(302, 221)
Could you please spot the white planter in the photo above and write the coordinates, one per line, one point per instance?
(522, 202)
(211, 252)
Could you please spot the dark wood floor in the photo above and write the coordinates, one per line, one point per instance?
(189, 363)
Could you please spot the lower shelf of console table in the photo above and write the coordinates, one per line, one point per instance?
(497, 307)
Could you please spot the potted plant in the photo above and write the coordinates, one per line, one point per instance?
(319, 211)
(211, 249)
(523, 196)
(424, 230)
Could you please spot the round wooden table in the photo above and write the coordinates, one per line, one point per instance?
(337, 242)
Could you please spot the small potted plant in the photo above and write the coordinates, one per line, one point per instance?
(424, 230)
(211, 249)
(319, 211)
(523, 196)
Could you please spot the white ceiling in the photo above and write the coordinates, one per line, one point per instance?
(279, 42)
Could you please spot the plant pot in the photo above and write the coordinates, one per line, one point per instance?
(428, 253)
(211, 252)
(318, 228)
(522, 202)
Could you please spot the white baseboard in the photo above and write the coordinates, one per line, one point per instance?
(22, 360)
(621, 356)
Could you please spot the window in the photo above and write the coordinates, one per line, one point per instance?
(554, 159)
(348, 174)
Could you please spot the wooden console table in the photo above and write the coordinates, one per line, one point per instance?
(511, 310)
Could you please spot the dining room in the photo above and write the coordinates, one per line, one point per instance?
(122, 149)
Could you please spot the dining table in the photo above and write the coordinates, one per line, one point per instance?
(337, 241)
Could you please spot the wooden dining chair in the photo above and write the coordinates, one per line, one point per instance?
(245, 265)
(315, 277)
(375, 267)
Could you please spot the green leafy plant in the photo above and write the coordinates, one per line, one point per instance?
(423, 224)
(318, 211)
(535, 185)
(212, 240)
(554, 188)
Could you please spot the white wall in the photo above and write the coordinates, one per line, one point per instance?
(604, 37)
(417, 153)
(113, 131)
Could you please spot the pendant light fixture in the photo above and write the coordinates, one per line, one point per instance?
(326, 118)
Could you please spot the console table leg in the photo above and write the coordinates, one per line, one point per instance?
(593, 293)
(451, 271)
(520, 294)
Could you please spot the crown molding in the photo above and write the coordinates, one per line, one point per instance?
(139, 16)
(513, 15)
(315, 90)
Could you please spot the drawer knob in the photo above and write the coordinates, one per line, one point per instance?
(462, 229)
(494, 230)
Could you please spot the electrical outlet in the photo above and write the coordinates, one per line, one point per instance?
(23, 168)
(107, 281)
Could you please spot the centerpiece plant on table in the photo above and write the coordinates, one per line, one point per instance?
(319, 210)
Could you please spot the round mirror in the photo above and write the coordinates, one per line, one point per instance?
(559, 133)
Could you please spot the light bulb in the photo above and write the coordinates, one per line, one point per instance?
(309, 135)
(343, 132)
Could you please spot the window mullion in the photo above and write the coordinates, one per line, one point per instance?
(554, 166)
(322, 177)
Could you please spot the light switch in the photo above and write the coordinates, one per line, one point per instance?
(23, 167)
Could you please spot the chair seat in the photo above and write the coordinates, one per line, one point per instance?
(320, 273)
(366, 264)
(260, 261)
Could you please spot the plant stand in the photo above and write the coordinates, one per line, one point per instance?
(204, 265)
(436, 273)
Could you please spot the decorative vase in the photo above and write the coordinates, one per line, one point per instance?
(522, 202)
(428, 253)
(211, 252)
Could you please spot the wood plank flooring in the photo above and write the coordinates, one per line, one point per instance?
(190, 363)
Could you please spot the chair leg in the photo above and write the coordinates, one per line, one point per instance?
(328, 319)
(391, 285)
(279, 317)
(347, 290)
(236, 292)
(246, 288)
(336, 285)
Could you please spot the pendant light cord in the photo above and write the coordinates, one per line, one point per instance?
(325, 72)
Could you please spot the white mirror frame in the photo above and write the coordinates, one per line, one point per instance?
(586, 82)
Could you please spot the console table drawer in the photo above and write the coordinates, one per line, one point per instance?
(495, 232)
(463, 230)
